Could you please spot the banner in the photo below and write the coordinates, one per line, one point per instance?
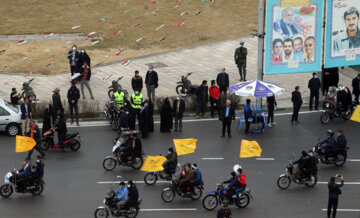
(293, 42)
(24, 143)
(342, 38)
(356, 114)
(185, 146)
(153, 163)
(250, 149)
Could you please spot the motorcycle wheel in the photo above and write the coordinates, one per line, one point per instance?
(340, 160)
(150, 178)
(39, 188)
(115, 124)
(283, 182)
(44, 145)
(325, 118)
(180, 89)
(313, 182)
(76, 145)
(101, 212)
(110, 93)
(6, 190)
(210, 202)
(168, 195)
(197, 195)
(109, 163)
(132, 212)
(244, 201)
(137, 164)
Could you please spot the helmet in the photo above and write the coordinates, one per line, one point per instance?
(236, 167)
(330, 132)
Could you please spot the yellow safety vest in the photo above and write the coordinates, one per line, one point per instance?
(119, 98)
(137, 100)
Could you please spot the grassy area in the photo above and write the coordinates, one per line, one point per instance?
(221, 20)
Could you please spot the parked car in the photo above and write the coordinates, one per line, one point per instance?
(10, 118)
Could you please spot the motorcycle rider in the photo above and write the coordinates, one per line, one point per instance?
(198, 177)
(171, 161)
(24, 174)
(312, 164)
(132, 147)
(122, 196)
(133, 194)
(340, 142)
(341, 99)
(241, 183)
(330, 144)
(302, 164)
(186, 180)
(39, 168)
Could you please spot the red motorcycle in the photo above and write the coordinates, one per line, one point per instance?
(72, 141)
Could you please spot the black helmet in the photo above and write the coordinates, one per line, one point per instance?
(330, 132)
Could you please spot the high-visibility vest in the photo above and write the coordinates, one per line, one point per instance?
(137, 100)
(119, 98)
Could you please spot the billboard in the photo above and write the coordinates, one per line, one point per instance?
(293, 42)
(342, 33)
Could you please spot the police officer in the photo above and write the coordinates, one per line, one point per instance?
(240, 60)
(136, 100)
(119, 96)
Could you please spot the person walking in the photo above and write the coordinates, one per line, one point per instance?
(85, 78)
(166, 116)
(73, 96)
(356, 88)
(271, 104)
(136, 100)
(144, 121)
(47, 116)
(83, 58)
(334, 192)
(57, 105)
(201, 99)
(314, 85)
(14, 96)
(178, 112)
(214, 98)
(222, 80)
(224, 212)
(297, 102)
(150, 108)
(248, 115)
(227, 116)
(25, 109)
(73, 57)
(36, 135)
(151, 82)
(137, 82)
(240, 60)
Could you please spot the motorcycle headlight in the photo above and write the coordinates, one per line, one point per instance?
(327, 105)
(104, 201)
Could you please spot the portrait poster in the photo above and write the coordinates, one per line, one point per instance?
(293, 42)
(342, 37)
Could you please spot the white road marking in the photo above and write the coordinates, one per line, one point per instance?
(263, 158)
(303, 112)
(355, 160)
(172, 209)
(345, 183)
(212, 158)
(345, 210)
(136, 182)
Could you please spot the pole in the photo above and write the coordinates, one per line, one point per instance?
(260, 35)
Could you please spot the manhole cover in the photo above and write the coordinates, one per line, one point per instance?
(157, 64)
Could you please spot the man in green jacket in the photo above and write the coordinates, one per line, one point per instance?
(240, 60)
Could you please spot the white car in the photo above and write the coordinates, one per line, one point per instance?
(10, 118)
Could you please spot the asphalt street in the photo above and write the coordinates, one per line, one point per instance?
(76, 182)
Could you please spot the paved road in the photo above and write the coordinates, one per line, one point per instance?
(72, 188)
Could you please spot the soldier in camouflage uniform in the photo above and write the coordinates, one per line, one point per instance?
(240, 60)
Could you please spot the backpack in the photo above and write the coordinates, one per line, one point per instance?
(242, 180)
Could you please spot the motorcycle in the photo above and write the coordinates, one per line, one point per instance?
(285, 180)
(110, 162)
(130, 211)
(28, 92)
(72, 141)
(114, 87)
(12, 181)
(113, 113)
(330, 112)
(150, 178)
(337, 159)
(220, 196)
(185, 87)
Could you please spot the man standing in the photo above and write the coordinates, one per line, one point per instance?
(201, 99)
(356, 88)
(25, 116)
(14, 96)
(271, 104)
(299, 49)
(240, 60)
(214, 98)
(248, 115)
(119, 98)
(85, 78)
(151, 82)
(285, 25)
(73, 96)
(57, 105)
(227, 116)
(297, 102)
(73, 57)
(137, 82)
(222, 80)
(36, 135)
(334, 192)
(136, 100)
(314, 86)
(144, 121)
(288, 50)
(349, 38)
(178, 111)
(309, 49)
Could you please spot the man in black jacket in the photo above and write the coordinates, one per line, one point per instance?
(302, 164)
(356, 88)
(57, 105)
(36, 135)
(178, 111)
(202, 98)
(137, 82)
(297, 102)
(222, 80)
(314, 86)
(73, 96)
(227, 116)
(334, 192)
(14, 96)
(151, 82)
(171, 161)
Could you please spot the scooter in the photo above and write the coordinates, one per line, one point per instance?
(28, 92)
(72, 141)
(114, 86)
(337, 159)
(185, 87)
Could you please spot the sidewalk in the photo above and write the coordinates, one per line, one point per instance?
(204, 61)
